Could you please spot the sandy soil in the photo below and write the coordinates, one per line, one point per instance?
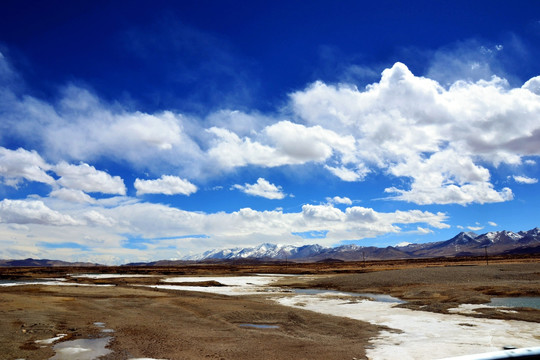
(194, 325)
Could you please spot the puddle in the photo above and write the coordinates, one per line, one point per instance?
(260, 326)
(82, 349)
(530, 302)
(375, 297)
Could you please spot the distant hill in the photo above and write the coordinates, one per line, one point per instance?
(41, 263)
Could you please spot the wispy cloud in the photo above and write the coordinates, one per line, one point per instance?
(475, 228)
(524, 179)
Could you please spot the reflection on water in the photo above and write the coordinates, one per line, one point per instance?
(82, 349)
(530, 302)
(260, 326)
(374, 297)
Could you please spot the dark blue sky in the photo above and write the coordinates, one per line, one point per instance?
(192, 55)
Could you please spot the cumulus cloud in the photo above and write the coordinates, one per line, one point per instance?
(262, 188)
(87, 178)
(437, 137)
(166, 184)
(18, 165)
(283, 143)
(339, 200)
(32, 212)
(302, 144)
(413, 127)
(524, 179)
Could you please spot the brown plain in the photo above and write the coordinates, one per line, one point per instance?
(165, 324)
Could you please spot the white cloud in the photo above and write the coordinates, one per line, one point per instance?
(358, 213)
(322, 212)
(97, 226)
(87, 178)
(81, 127)
(339, 200)
(491, 223)
(166, 184)
(475, 228)
(262, 188)
(533, 85)
(437, 136)
(524, 179)
(349, 175)
(452, 194)
(32, 212)
(16, 165)
(94, 217)
(423, 231)
(302, 144)
(72, 195)
(283, 143)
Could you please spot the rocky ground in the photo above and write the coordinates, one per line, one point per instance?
(194, 325)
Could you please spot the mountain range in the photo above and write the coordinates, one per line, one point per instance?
(463, 244)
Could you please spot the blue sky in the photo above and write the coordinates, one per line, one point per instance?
(131, 132)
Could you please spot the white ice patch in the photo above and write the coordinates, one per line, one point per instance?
(234, 285)
(422, 335)
(48, 283)
(109, 276)
(51, 340)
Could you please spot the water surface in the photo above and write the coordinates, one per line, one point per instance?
(82, 349)
(525, 301)
(260, 326)
(374, 297)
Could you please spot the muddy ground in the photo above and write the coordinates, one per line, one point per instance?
(190, 325)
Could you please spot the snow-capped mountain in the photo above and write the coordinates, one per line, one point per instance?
(463, 244)
(263, 251)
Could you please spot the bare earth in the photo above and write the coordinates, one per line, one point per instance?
(193, 325)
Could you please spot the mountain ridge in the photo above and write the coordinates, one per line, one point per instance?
(463, 244)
